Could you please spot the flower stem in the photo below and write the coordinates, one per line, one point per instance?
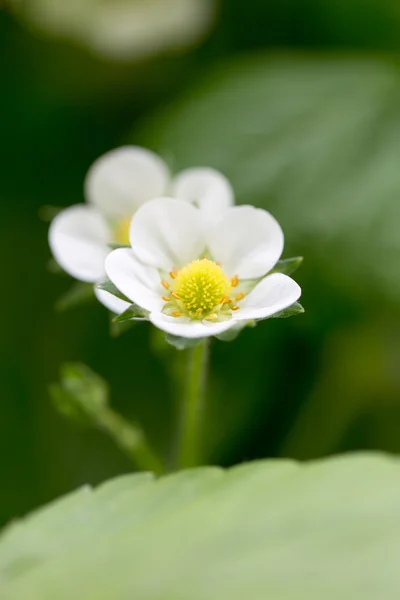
(192, 406)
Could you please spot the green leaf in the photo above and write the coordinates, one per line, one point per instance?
(291, 311)
(316, 141)
(78, 294)
(109, 287)
(275, 530)
(182, 343)
(133, 312)
(288, 265)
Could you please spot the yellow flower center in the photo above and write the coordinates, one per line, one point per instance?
(201, 290)
(201, 286)
(121, 231)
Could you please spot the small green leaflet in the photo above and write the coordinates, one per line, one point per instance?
(80, 393)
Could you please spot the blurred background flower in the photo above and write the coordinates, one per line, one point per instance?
(122, 29)
(298, 104)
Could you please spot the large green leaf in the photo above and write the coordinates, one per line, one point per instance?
(316, 141)
(268, 530)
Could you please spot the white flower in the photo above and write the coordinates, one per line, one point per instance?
(122, 29)
(116, 185)
(198, 278)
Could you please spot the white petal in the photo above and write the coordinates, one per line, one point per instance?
(247, 241)
(116, 305)
(186, 328)
(274, 293)
(124, 178)
(78, 238)
(206, 188)
(138, 282)
(167, 233)
(129, 29)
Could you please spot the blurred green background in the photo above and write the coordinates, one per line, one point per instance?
(299, 104)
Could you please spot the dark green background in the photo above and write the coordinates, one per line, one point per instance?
(320, 383)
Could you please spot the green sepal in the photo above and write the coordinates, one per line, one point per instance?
(54, 268)
(182, 343)
(117, 246)
(133, 312)
(117, 329)
(290, 311)
(287, 266)
(231, 334)
(78, 294)
(48, 212)
(109, 287)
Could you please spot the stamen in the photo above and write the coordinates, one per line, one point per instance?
(235, 281)
(199, 290)
(166, 299)
(165, 284)
(235, 307)
(239, 296)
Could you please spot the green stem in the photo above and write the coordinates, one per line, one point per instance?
(192, 407)
(130, 438)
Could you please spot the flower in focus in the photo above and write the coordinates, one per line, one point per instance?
(116, 185)
(122, 29)
(195, 277)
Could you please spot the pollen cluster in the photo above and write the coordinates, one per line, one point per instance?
(201, 290)
(201, 286)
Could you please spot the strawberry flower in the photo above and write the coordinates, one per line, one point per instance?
(193, 276)
(117, 185)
